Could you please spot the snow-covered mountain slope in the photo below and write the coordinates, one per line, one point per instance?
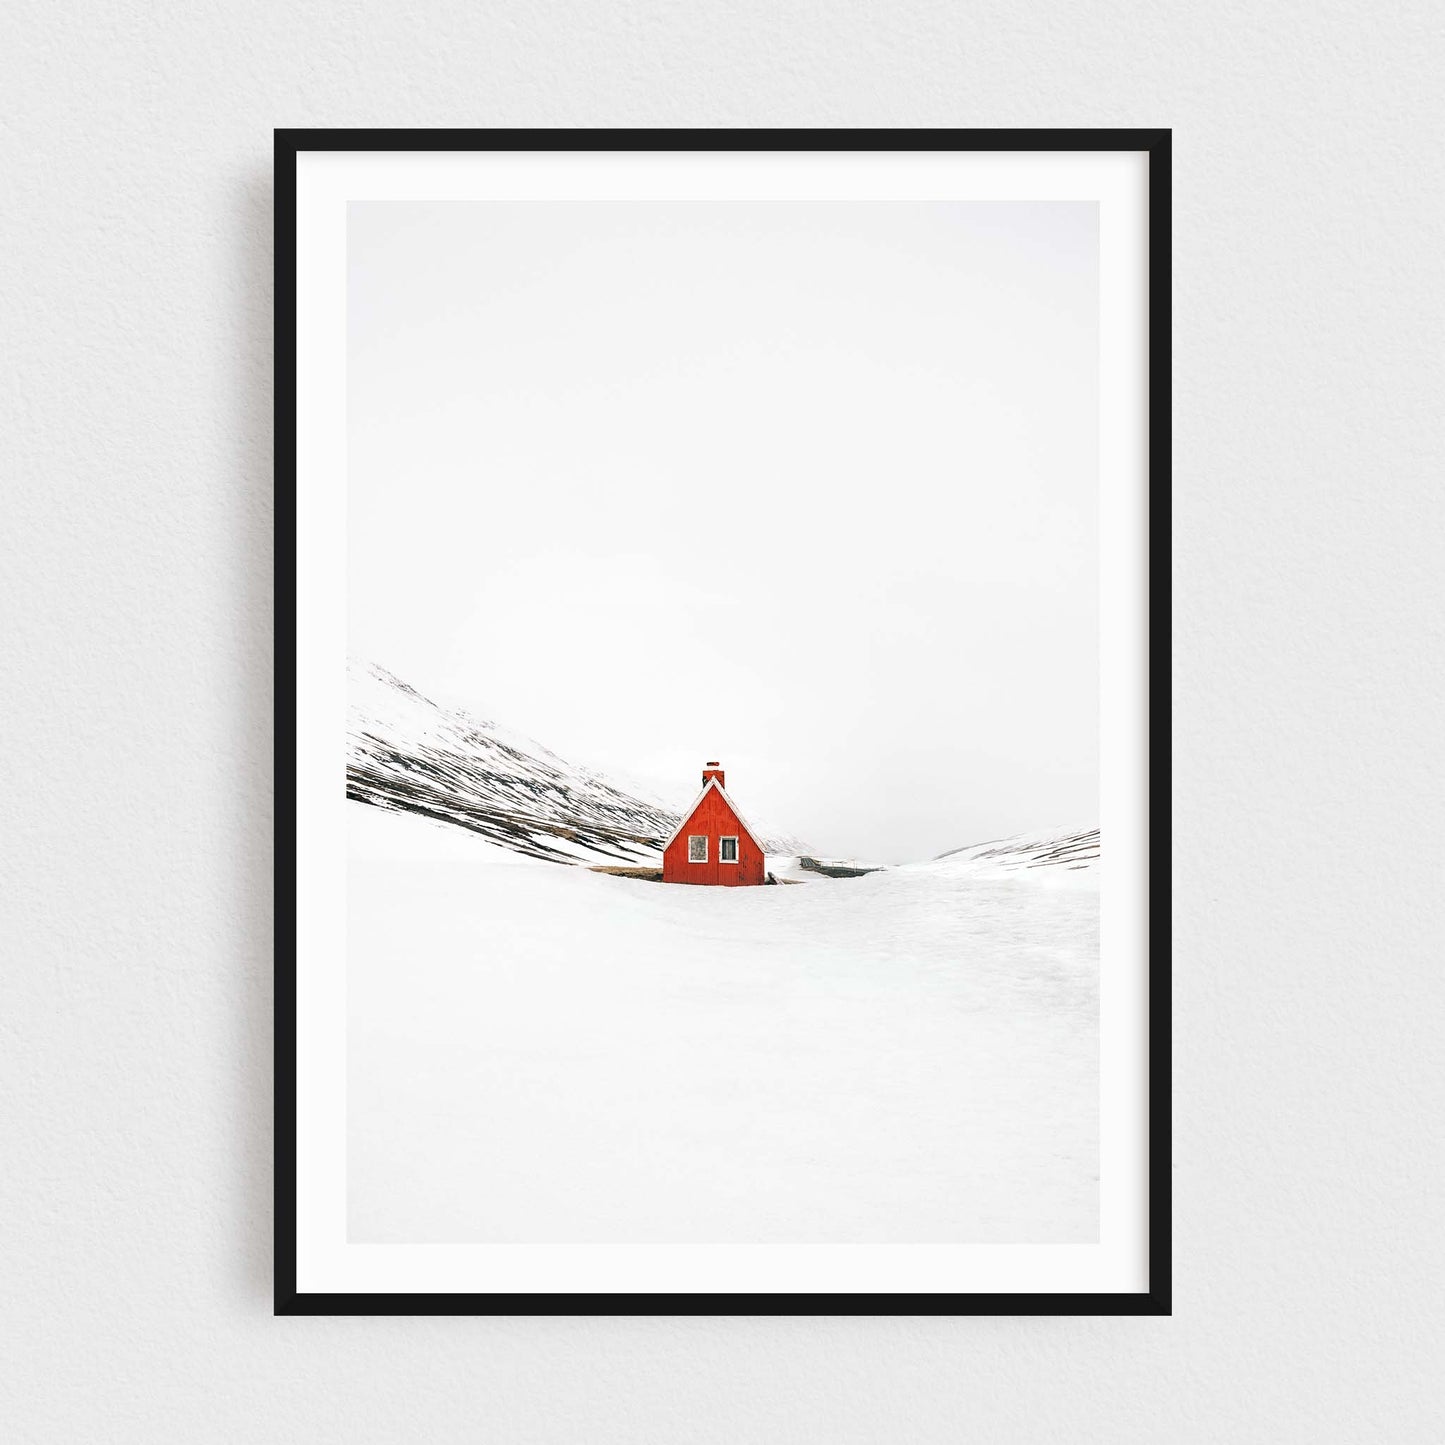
(407, 753)
(1072, 850)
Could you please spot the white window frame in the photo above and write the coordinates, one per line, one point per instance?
(721, 852)
(697, 838)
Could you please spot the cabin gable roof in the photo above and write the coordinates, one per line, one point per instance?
(697, 803)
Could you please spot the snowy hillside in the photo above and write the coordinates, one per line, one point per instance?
(408, 754)
(542, 1054)
(1068, 850)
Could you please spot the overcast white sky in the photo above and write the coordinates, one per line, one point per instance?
(809, 488)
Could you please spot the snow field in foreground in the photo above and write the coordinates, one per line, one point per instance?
(541, 1053)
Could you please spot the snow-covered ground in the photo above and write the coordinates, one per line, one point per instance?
(544, 1053)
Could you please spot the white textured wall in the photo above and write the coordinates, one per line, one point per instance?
(135, 568)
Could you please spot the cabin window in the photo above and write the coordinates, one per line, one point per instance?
(697, 847)
(727, 850)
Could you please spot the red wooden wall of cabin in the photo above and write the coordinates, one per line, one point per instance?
(714, 817)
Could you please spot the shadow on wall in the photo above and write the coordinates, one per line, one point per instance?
(249, 487)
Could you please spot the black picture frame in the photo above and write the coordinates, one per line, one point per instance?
(1156, 1300)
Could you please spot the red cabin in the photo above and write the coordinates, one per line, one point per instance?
(712, 844)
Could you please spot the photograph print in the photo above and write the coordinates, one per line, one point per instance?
(721, 728)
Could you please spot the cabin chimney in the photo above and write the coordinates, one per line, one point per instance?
(713, 770)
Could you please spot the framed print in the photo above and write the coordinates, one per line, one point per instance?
(722, 844)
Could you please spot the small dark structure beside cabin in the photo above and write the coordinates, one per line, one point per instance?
(833, 870)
